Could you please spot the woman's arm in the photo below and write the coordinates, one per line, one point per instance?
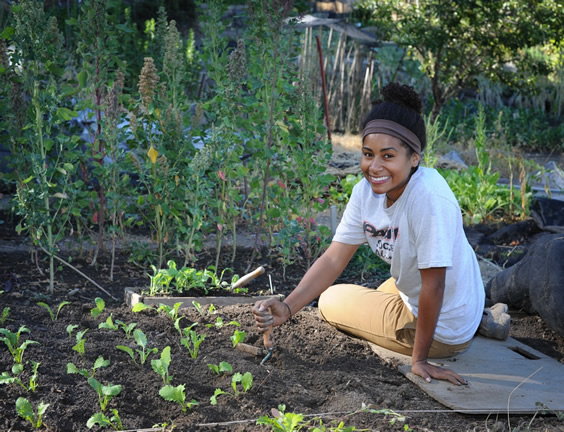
(317, 279)
(429, 308)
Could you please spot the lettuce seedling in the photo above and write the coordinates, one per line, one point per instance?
(105, 392)
(222, 367)
(245, 380)
(98, 364)
(79, 347)
(54, 315)
(172, 312)
(71, 328)
(161, 365)
(238, 336)
(192, 341)
(101, 420)
(109, 324)
(127, 328)
(6, 378)
(5, 315)
(144, 352)
(283, 422)
(140, 307)
(198, 307)
(25, 411)
(12, 340)
(99, 308)
(177, 394)
(219, 323)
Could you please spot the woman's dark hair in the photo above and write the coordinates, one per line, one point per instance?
(400, 104)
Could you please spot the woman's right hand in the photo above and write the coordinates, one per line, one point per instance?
(270, 312)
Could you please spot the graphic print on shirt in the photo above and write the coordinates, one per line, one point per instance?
(385, 240)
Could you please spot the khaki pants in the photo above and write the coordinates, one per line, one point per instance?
(379, 316)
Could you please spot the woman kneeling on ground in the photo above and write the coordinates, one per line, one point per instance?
(432, 305)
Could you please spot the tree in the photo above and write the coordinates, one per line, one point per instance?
(456, 41)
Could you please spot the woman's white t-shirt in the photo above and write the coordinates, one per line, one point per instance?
(422, 229)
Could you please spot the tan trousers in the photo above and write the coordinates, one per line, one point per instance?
(379, 316)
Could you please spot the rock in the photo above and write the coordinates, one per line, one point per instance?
(451, 160)
(536, 283)
(548, 214)
(552, 175)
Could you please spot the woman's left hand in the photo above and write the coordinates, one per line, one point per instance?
(427, 371)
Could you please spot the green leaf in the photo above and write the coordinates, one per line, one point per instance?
(140, 338)
(81, 77)
(247, 381)
(173, 394)
(24, 408)
(7, 33)
(138, 307)
(213, 399)
(98, 419)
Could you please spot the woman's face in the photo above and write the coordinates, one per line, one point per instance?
(386, 165)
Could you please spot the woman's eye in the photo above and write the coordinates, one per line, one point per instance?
(366, 154)
(388, 156)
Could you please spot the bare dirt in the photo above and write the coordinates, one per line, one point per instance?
(315, 370)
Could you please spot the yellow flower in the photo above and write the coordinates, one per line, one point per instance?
(153, 154)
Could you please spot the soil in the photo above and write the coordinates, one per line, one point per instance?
(315, 370)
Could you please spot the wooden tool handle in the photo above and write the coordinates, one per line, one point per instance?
(248, 277)
(267, 339)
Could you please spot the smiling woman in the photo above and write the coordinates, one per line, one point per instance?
(433, 304)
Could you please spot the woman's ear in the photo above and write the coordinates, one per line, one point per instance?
(415, 159)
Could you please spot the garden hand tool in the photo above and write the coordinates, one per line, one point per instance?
(268, 344)
(248, 277)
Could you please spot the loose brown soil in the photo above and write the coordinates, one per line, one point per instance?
(315, 370)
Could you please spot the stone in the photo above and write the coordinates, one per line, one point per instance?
(536, 283)
(451, 160)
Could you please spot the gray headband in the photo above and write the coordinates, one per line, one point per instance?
(394, 129)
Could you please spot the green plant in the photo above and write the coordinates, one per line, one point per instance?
(25, 411)
(161, 365)
(5, 314)
(171, 312)
(141, 340)
(6, 378)
(99, 308)
(222, 367)
(238, 336)
(79, 346)
(109, 324)
(246, 381)
(70, 328)
(54, 316)
(127, 328)
(12, 341)
(103, 421)
(98, 364)
(219, 323)
(105, 392)
(139, 307)
(178, 395)
(198, 307)
(192, 341)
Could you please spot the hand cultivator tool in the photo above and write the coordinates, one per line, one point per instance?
(244, 280)
(268, 345)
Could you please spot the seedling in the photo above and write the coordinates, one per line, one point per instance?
(127, 328)
(25, 411)
(6, 378)
(177, 394)
(198, 307)
(5, 314)
(139, 307)
(222, 367)
(246, 381)
(161, 365)
(172, 312)
(109, 324)
(105, 392)
(220, 324)
(101, 420)
(144, 352)
(192, 341)
(238, 336)
(99, 363)
(54, 315)
(12, 340)
(282, 421)
(99, 308)
(71, 328)
(79, 347)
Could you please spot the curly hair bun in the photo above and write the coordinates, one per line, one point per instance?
(402, 94)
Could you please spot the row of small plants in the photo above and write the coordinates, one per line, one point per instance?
(141, 354)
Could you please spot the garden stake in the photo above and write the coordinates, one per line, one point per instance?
(268, 344)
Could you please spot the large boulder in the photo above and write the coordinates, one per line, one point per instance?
(536, 283)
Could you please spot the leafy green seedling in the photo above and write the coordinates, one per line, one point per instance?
(238, 336)
(105, 392)
(198, 307)
(161, 365)
(99, 308)
(12, 340)
(220, 324)
(25, 411)
(71, 328)
(140, 307)
(5, 315)
(141, 340)
(245, 380)
(127, 328)
(101, 420)
(222, 367)
(177, 394)
(109, 324)
(212, 309)
(79, 347)
(283, 422)
(98, 364)
(54, 315)
(6, 378)
(192, 341)
(171, 312)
